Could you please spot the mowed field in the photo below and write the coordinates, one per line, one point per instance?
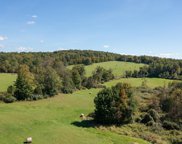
(118, 68)
(56, 121)
(135, 82)
(6, 80)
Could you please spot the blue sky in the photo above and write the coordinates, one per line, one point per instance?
(138, 27)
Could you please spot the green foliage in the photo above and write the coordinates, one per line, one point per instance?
(37, 97)
(101, 75)
(154, 114)
(9, 99)
(167, 104)
(147, 119)
(114, 105)
(170, 125)
(11, 89)
(80, 69)
(67, 82)
(171, 100)
(151, 118)
(51, 82)
(24, 83)
(76, 79)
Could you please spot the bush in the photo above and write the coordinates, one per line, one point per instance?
(67, 90)
(37, 97)
(166, 104)
(147, 118)
(170, 125)
(9, 99)
(115, 105)
(176, 140)
(11, 89)
(154, 114)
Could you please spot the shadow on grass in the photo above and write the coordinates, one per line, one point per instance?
(84, 123)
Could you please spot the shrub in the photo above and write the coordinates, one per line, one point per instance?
(166, 104)
(36, 97)
(9, 99)
(115, 105)
(67, 90)
(11, 89)
(170, 125)
(147, 118)
(176, 140)
(154, 114)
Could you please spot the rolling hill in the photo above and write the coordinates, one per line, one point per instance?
(117, 67)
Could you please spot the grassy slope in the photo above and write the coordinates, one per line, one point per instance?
(118, 68)
(50, 122)
(151, 82)
(6, 80)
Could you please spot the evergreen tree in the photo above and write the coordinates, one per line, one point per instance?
(76, 79)
(24, 84)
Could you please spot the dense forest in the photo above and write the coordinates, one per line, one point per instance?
(45, 74)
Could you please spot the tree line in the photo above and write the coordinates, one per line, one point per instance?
(47, 81)
(157, 67)
(9, 62)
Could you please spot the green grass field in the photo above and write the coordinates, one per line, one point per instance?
(6, 80)
(151, 82)
(55, 121)
(118, 68)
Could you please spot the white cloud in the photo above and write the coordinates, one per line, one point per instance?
(61, 48)
(31, 22)
(24, 49)
(2, 38)
(166, 55)
(34, 16)
(106, 46)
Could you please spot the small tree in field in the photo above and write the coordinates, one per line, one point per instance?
(115, 105)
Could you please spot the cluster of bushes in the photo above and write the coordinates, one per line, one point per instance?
(159, 112)
(46, 81)
(162, 68)
(165, 109)
(115, 105)
(100, 75)
(7, 98)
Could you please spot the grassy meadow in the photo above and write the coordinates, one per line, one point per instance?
(6, 80)
(117, 67)
(56, 121)
(135, 82)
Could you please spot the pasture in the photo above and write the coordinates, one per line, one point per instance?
(118, 68)
(135, 82)
(6, 80)
(56, 121)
